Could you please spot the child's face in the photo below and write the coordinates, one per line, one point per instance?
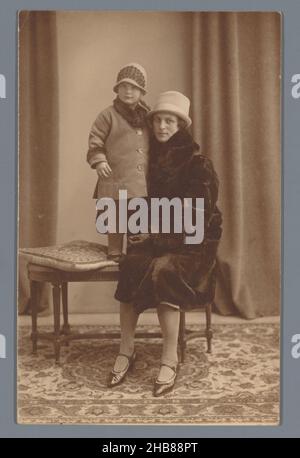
(129, 94)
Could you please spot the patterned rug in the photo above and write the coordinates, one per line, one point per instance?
(238, 383)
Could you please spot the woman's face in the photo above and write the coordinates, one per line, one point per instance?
(129, 94)
(165, 125)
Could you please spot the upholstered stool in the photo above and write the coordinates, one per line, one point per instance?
(81, 261)
(186, 334)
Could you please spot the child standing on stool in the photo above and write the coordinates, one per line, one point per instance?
(119, 143)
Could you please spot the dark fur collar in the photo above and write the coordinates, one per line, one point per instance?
(136, 117)
(179, 148)
(169, 164)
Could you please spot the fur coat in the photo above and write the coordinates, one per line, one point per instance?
(162, 267)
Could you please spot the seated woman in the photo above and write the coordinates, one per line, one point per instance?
(161, 270)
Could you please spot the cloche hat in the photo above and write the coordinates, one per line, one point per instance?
(173, 102)
(132, 73)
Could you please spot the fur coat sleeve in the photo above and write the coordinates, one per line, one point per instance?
(197, 179)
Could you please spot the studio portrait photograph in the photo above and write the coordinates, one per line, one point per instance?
(149, 217)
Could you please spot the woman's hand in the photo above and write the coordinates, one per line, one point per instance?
(103, 170)
(138, 240)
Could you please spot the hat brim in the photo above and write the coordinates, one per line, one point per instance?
(128, 80)
(169, 108)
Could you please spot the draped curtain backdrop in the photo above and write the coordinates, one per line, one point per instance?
(236, 119)
(38, 137)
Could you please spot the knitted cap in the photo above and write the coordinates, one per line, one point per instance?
(134, 74)
(173, 102)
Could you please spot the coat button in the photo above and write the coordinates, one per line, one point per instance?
(140, 167)
(139, 132)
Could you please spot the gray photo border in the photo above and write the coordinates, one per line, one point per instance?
(290, 319)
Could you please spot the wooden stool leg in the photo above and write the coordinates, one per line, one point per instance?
(34, 306)
(56, 313)
(209, 332)
(182, 342)
(66, 326)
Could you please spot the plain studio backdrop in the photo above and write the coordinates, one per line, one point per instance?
(229, 64)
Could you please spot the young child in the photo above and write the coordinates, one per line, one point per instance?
(118, 145)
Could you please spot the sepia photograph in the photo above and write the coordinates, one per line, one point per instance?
(149, 217)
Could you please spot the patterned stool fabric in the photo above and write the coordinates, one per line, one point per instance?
(78, 255)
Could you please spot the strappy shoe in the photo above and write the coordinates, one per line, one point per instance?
(163, 387)
(117, 377)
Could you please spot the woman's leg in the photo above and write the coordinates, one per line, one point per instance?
(128, 322)
(169, 318)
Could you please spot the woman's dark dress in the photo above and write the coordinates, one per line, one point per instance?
(163, 268)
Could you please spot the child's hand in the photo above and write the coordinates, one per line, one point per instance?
(103, 169)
